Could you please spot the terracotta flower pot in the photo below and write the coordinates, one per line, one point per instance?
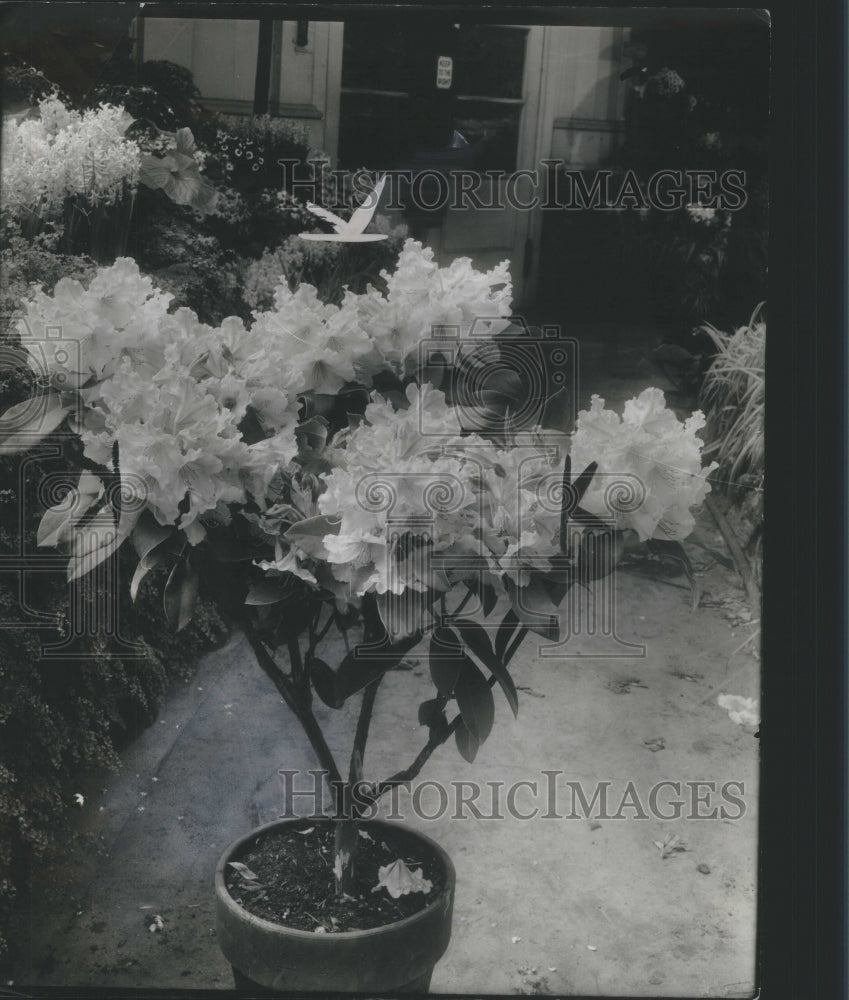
(393, 958)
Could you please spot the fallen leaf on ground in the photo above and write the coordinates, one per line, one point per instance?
(655, 744)
(398, 880)
(742, 711)
(673, 844)
(243, 870)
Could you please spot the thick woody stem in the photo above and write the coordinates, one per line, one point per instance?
(301, 712)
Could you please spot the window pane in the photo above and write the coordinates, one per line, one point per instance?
(490, 60)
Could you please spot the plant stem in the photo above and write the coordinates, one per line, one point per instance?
(358, 752)
(402, 777)
(462, 603)
(301, 712)
(514, 646)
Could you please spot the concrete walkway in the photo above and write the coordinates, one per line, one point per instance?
(559, 905)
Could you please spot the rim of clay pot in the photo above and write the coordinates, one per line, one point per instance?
(269, 925)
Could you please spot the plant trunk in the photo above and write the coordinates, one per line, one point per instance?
(346, 843)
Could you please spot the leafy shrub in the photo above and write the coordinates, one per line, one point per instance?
(330, 267)
(60, 715)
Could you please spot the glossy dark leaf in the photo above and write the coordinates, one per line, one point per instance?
(267, 592)
(23, 425)
(147, 562)
(534, 608)
(583, 481)
(428, 712)
(508, 626)
(466, 743)
(475, 701)
(365, 664)
(446, 660)
(181, 593)
(477, 640)
(489, 598)
(149, 533)
(324, 681)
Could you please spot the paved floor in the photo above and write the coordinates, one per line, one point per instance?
(559, 905)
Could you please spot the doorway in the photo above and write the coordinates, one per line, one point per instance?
(494, 73)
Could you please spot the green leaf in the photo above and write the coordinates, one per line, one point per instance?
(467, 744)
(477, 640)
(54, 521)
(475, 701)
(505, 633)
(534, 608)
(185, 141)
(148, 533)
(93, 542)
(147, 562)
(26, 423)
(181, 594)
(429, 712)
(267, 592)
(446, 660)
(489, 598)
(485, 592)
(583, 481)
(156, 171)
(324, 681)
(312, 433)
(365, 663)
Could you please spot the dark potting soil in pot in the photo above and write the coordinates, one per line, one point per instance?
(295, 885)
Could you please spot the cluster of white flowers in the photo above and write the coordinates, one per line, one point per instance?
(417, 505)
(320, 347)
(649, 465)
(168, 389)
(172, 391)
(65, 153)
(406, 483)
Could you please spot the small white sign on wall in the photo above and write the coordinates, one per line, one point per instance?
(444, 72)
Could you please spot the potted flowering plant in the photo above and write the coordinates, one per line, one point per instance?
(319, 470)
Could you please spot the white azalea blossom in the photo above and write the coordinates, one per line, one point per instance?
(650, 450)
(206, 420)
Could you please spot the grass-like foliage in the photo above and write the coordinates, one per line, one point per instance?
(733, 399)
